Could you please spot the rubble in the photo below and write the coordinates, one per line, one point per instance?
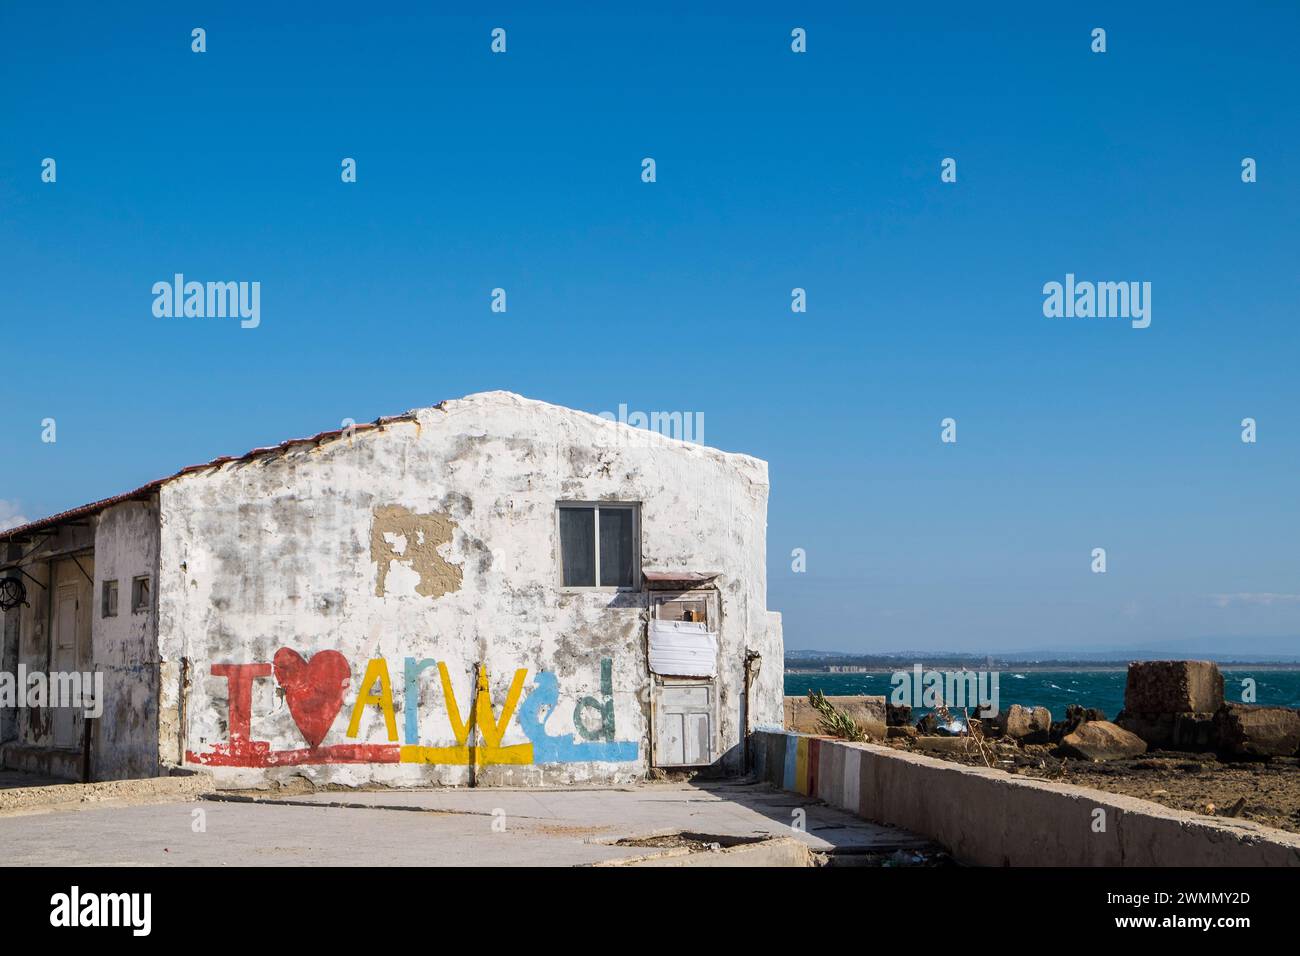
(1173, 687)
(1076, 714)
(1171, 704)
(1179, 705)
(948, 745)
(1102, 740)
(1247, 730)
(1031, 725)
(898, 715)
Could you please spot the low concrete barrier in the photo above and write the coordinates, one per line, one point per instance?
(43, 761)
(992, 818)
(181, 786)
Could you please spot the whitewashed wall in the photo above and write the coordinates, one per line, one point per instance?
(276, 553)
(125, 646)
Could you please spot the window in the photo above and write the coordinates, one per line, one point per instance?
(140, 594)
(694, 610)
(598, 546)
(109, 603)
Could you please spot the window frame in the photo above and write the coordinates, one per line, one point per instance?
(110, 587)
(148, 595)
(632, 506)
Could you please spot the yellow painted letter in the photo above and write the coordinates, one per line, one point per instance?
(375, 670)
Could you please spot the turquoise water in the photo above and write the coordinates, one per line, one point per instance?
(1056, 689)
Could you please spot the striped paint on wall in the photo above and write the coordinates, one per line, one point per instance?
(790, 767)
(819, 767)
(801, 765)
(830, 775)
(852, 779)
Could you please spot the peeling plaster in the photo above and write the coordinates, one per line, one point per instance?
(401, 540)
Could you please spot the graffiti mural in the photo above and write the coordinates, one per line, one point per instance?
(315, 691)
(547, 749)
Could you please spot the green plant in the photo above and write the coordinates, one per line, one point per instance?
(834, 722)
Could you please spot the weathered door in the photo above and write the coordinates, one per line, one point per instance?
(685, 690)
(66, 614)
(684, 725)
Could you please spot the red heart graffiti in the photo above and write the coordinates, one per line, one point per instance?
(314, 691)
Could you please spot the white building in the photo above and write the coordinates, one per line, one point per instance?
(492, 590)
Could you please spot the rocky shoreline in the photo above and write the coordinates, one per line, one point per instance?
(1177, 742)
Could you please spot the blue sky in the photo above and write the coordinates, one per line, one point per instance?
(775, 170)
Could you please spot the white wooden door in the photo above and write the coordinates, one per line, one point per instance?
(684, 725)
(684, 709)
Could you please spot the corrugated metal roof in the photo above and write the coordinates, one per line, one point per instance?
(149, 489)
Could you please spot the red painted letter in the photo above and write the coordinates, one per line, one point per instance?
(239, 699)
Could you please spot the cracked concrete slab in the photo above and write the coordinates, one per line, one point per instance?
(476, 827)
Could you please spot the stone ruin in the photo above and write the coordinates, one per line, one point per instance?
(1180, 705)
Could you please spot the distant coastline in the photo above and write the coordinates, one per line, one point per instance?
(878, 665)
(1041, 684)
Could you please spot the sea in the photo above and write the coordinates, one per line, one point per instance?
(1055, 690)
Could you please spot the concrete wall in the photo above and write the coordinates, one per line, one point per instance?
(126, 646)
(370, 566)
(866, 710)
(992, 818)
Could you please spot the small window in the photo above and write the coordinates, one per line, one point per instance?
(140, 594)
(598, 546)
(694, 610)
(110, 599)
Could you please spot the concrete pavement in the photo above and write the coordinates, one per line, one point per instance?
(461, 827)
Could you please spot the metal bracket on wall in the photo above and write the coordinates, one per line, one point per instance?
(82, 570)
(15, 567)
